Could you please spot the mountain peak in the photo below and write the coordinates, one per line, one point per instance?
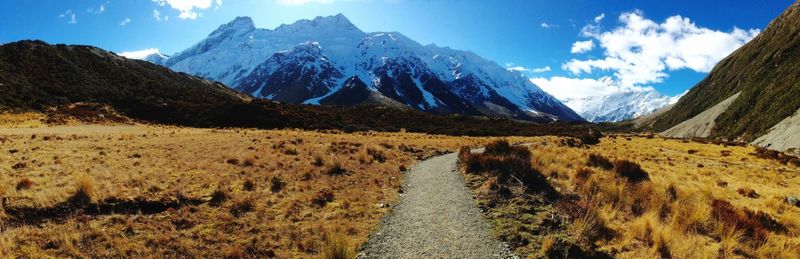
(339, 19)
(309, 48)
(336, 22)
(241, 23)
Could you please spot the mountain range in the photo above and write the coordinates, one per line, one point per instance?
(620, 106)
(86, 82)
(329, 61)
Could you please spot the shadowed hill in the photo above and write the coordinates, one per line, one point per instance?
(35, 75)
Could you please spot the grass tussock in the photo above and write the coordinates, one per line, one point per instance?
(335, 168)
(508, 164)
(84, 190)
(24, 184)
(599, 161)
(756, 226)
(337, 247)
(323, 197)
(631, 171)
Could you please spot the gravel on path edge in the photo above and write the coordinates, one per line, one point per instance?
(435, 217)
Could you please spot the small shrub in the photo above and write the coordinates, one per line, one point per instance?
(582, 175)
(631, 171)
(232, 161)
(219, 195)
(498, 147)
(592, 137)
(747, 192)
(249, 184)
(322, 197)
(290, 151)
(510, 164)
(250, 161)
(335, 168)
(84, 190)
(242, 206)
(464, 153)
(24, 184)
(599, 161)
(692, 151)
(19, 166)
(337, 247)
(781, 157)
(276, 184)
(377, 155)
(722, 183)
(756, 225)
(725, 153)
(318, 161)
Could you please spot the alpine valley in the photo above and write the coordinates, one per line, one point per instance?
(329, 61)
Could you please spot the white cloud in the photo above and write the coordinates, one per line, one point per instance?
(70, 16)
(549, 25)
(138, 54)
(512, 67)
(125, 22)
(641, 51)
(189, 8)
(301, 2)
(156, 14)
(99, 10)
(541, 69)
(599, 18)
(566, 88)
(518, 69)
(582, 46)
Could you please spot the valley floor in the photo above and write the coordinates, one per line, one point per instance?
(162, 191)
(142, 191)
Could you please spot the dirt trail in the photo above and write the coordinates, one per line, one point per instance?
(435, 218)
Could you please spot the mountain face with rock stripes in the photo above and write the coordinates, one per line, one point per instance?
(320, 61)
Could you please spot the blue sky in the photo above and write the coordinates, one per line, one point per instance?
(537, 37)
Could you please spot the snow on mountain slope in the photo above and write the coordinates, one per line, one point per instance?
(620, 106)
(156, 58)
(278, 64)
(293, 75)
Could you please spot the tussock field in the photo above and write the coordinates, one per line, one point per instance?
(637, 196)
(156, 191)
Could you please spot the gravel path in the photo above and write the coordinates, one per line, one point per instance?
(435, 218)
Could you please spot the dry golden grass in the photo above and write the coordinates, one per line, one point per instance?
(22, 120)
(700, 201)
(157, 191)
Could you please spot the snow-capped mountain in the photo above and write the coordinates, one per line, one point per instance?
(620, 106)
(156, 58)
(311, 60)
